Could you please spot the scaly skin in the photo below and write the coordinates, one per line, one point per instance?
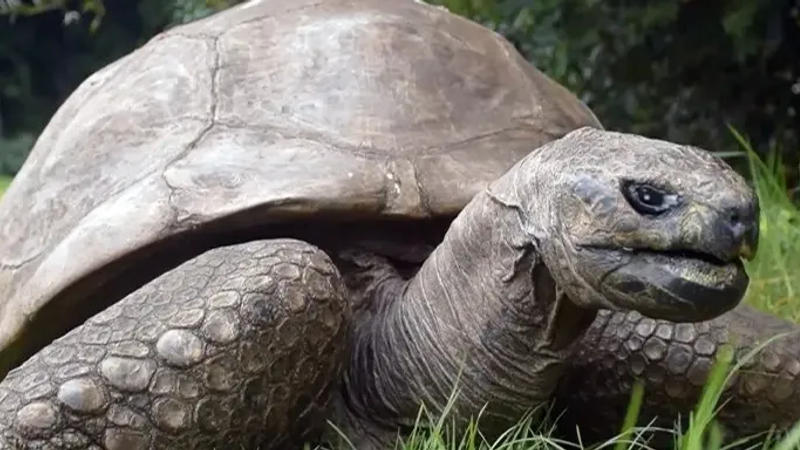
(237, 348)
(673, 360)
(497, 310)
(478, 315)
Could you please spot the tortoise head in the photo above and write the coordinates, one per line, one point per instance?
(640, 224)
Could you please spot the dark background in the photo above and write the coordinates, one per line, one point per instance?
(681, 70)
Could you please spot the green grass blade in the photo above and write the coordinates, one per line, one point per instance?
(791, 441)
(714, 441)
(342, 436)
(703, 415)
(632, 413)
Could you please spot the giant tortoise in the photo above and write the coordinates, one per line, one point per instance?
(298, 212)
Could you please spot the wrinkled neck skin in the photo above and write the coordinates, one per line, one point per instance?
(482, 315)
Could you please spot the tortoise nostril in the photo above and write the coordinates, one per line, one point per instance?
(736, 225)
(742, 224)
(738, 230)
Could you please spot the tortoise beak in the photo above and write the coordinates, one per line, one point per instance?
(746, 233)
(735, 233)
(748, 250)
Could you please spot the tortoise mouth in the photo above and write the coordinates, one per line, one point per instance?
(679, 285)
(691, 255)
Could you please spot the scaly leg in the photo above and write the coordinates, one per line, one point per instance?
(237, 348)
(674, 360)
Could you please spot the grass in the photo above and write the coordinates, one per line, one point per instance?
(774, 278)
(535, 432)
(4, 182)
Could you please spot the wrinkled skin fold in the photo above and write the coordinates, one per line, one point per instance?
(500, 303)
(259, 343)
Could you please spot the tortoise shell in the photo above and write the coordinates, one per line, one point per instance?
(269, 112)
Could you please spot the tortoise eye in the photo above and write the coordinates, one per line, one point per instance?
(648, 199)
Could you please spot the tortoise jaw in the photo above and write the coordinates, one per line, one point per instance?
(673, 285)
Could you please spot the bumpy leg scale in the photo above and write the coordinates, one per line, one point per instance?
(239, 347)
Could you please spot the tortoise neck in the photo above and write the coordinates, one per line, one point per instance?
(479, 316)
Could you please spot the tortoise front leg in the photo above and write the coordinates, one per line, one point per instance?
(674, 360)
(237, 348)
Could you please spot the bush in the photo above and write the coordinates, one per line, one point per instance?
(680, 71)
(48, 48)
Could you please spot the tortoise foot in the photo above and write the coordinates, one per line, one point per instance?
(239, 347)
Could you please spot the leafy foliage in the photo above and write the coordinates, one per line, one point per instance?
(16, 8)
(48, 47)
(675, 70)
